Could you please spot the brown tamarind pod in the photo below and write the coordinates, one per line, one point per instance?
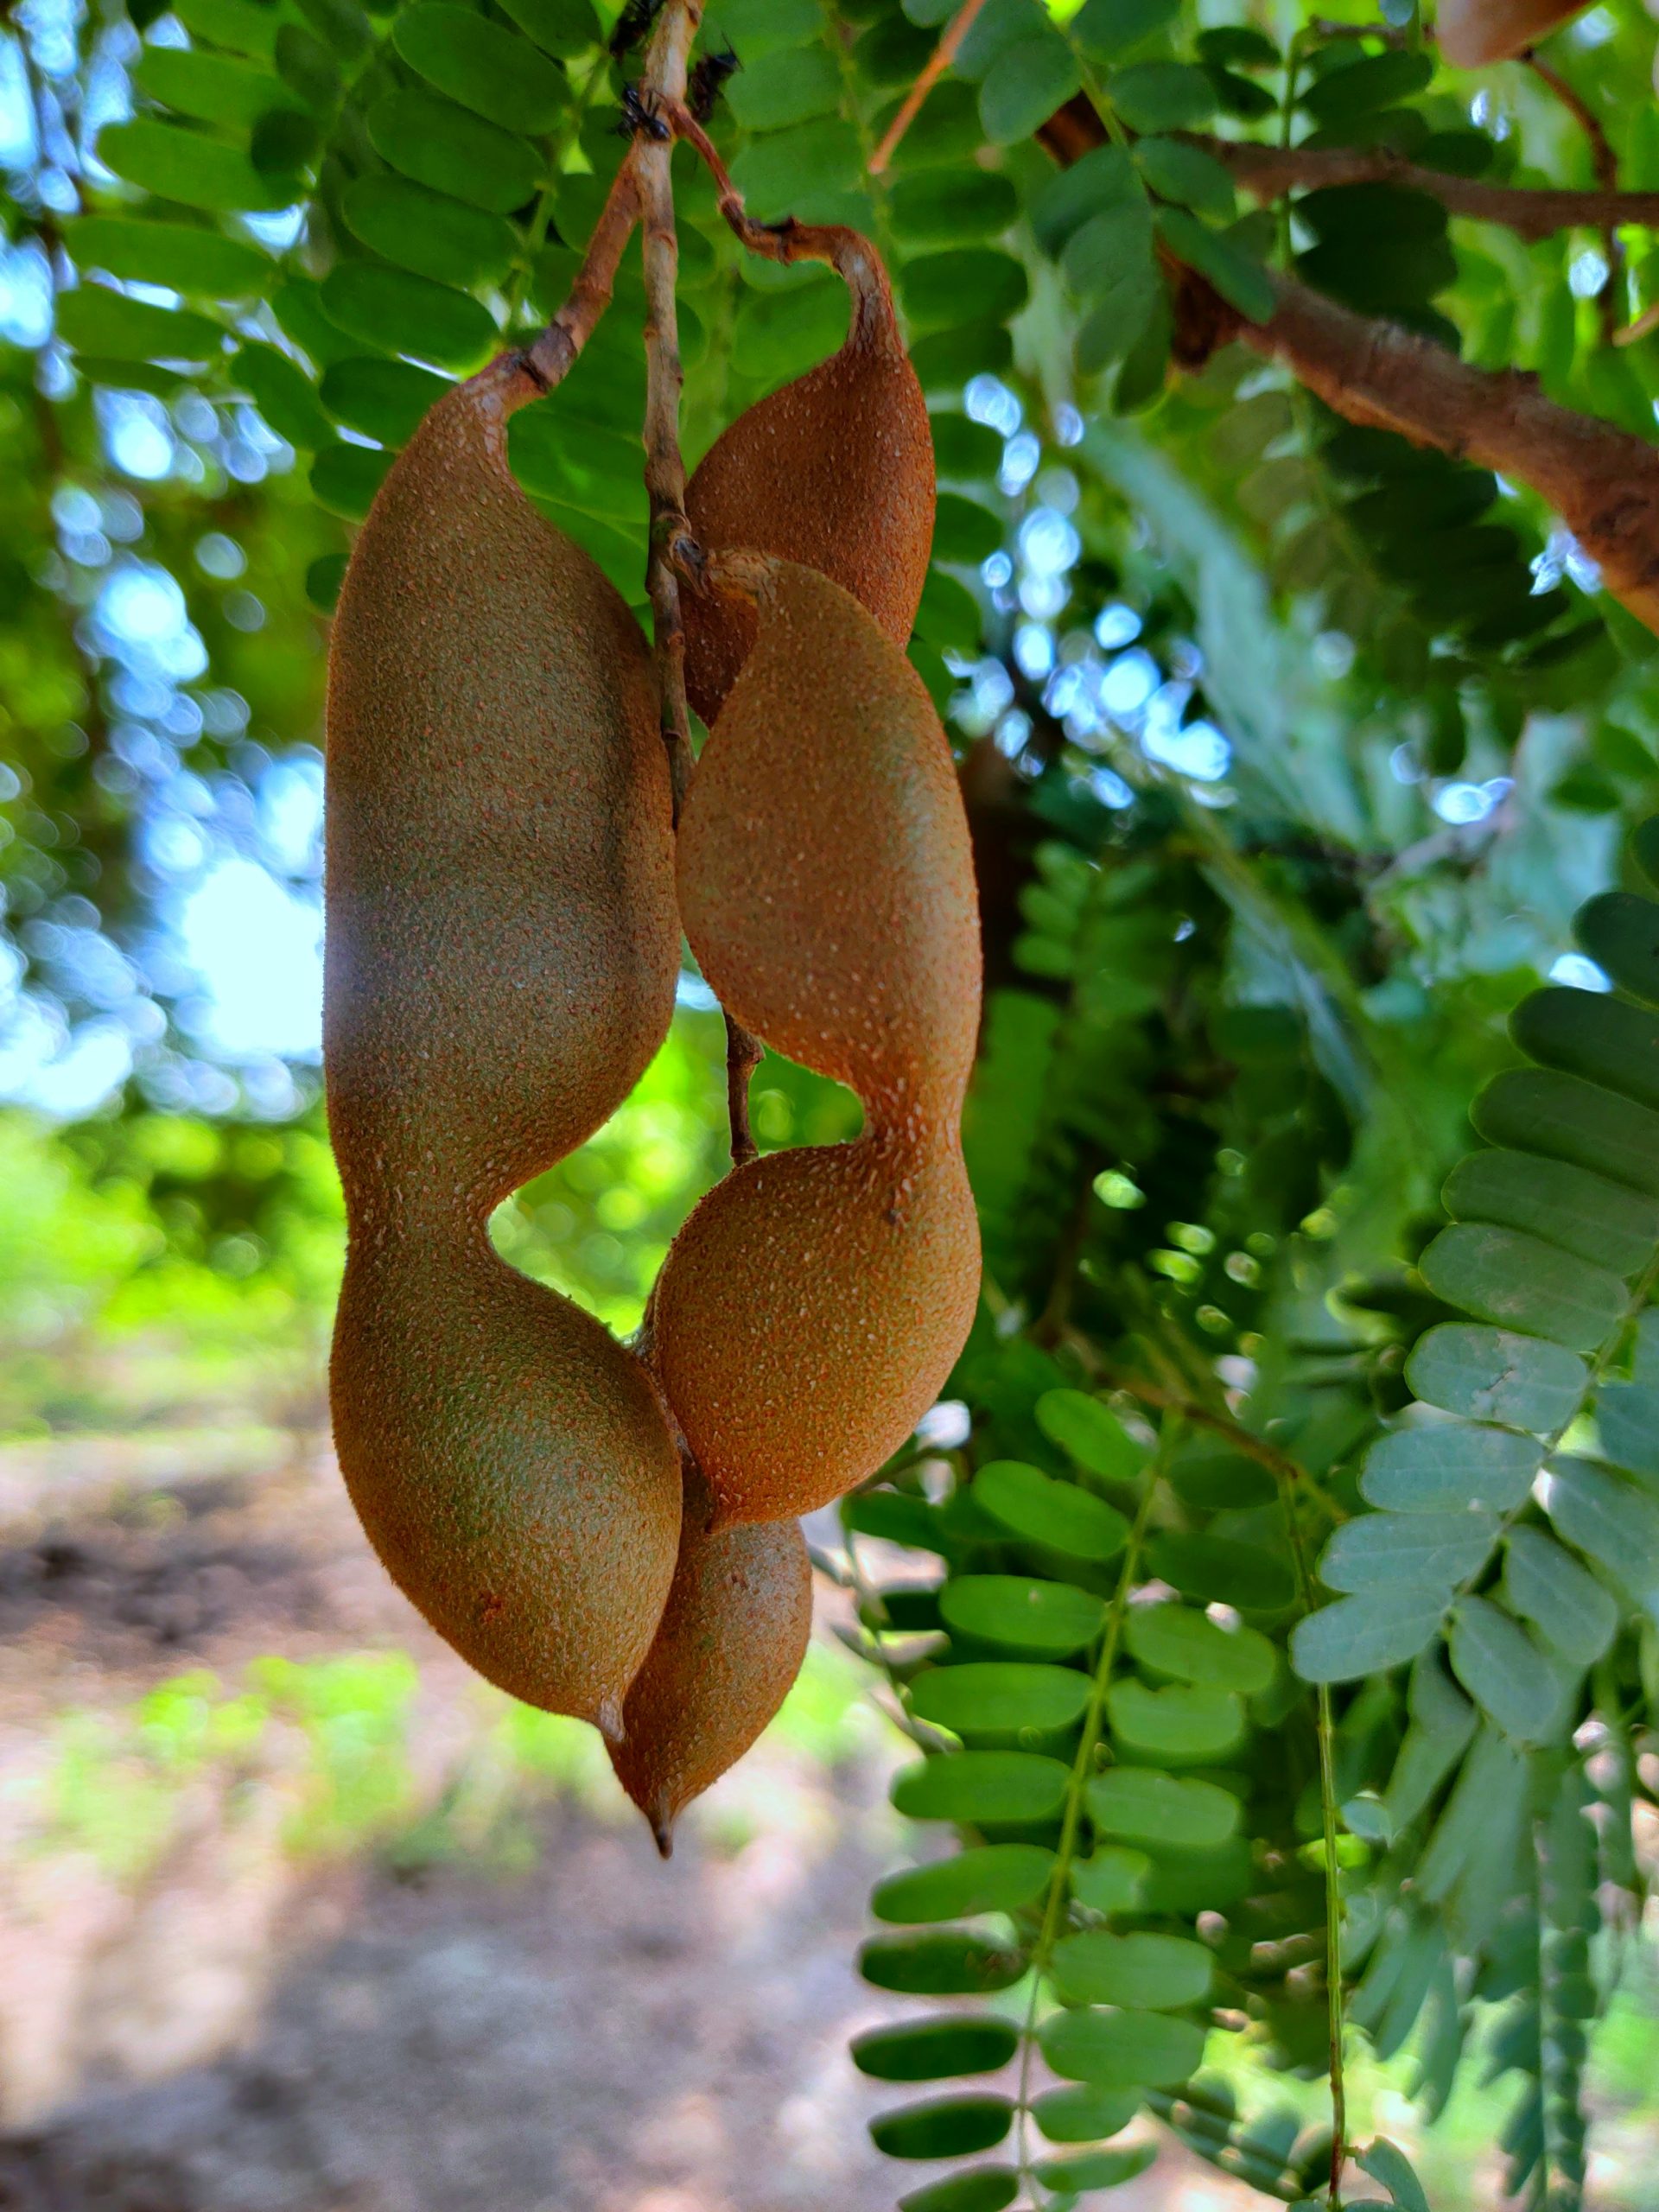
(1473, 33)
(835, 471)
(501, 954)
(730, 1644)
(814, 1302)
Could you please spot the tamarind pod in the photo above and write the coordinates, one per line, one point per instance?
(1472, 33)
(835, 471)
(815, 1301)
(500, 960)
(731, 1641)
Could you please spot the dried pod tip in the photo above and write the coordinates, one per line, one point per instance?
(661, 1827)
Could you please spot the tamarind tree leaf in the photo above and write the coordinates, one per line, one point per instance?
(942, 1962)
(779, 90)
(1565, 1603)
(1052, 1617)
(481, 64)
(323, 579)
(307, 67)
(94, 319)
(245, 26)
(1235, 273)
(1386, 2163)
(345, 478)
(435, 142)
(1158, 96)
(1364, 1634)
(1104, 179)
(402, 312)
(342, 26)
(1502, 1669)
(1083, 2115)
(1448, 1467)
(564, 29)
(1160, 1973)
(1091, 1433)
(1380, 80)
(1627, 1424)
(1032, 1504)
(943, 2127)
(1593, 1035)
(1095, 2168)
(1144, 1805)
(184, 257)
(1186, 1881)
(943, 207)
(965, 533)
(947, 361)
(774, 172)
(995, 1698)
(1221, 1570)
(1216, 1481)
(981, 1787)
(1515, 1282)
(949, 615)
(757, 27)
(934, 2050)
(896, 1517)
(1181, 1722)
(1402, 1551)
(936, 286)
(1608, 1519)
(296, 303)
(1110, 30)
(1563, 1118)
(212, 88)
(1584, 1213)
(1109, 257)
(982, 2189)
(1122, 2050)
(1031, 79)
(985, 1877)
(1495, 1374)
(596, 474)
(1111, 1879)
(385, 400)
(1187, 176)
(282, 393)
(1189, 1647)
(429, 232)
(189, 167)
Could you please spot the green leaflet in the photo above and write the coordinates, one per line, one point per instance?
(988, 1877)
(187, 166)
(1191, 1723)
(1112, 1880)
(943, 2127)
(1598, 1221)
(1083, 2115)
(1447, 1466)
(1141, 1805)
(1504, 1671)
(1494, 1375)
(1408, 1551)
(485, 68)
(427, 231)
(1189, 1647)
(1364, 1634)
(94, 319)
(980, 1786)
(182, 255)
(1115, 2049)
(1161, 1973)
(934, 2050)
(400, 313)
(1545, 1585)
(1059, 1515)
(943, 1962)
(1012, 1609)
(993, 1698)
(437, 144)
(1089, 1433)
(981, 2188)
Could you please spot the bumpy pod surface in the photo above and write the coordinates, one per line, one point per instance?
(731, 1643)
(835, 471)
(501, 953)
(815, 1301)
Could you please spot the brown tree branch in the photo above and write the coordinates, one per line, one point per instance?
(550, 358)
(1531, 212)
(938, 62)
(1604, 482)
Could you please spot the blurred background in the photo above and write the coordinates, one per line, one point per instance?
(295, 1915)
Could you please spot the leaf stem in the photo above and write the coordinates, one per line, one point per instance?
(1054, 1905)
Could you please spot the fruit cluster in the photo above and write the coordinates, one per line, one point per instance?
(608, 1531)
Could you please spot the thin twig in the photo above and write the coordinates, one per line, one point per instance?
(938, 62)
(549, 358)
(744, 1053)
(1604, 162)
(664, 80)
(1056, 1900)
(1242, 1440)
(1531, 211)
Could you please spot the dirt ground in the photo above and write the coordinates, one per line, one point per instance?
(219, 2023)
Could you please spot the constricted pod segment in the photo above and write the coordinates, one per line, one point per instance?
(730, 1644)
(835, 471)
(501, 955)
(814, 1303)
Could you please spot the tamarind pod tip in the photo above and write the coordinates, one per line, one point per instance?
(662, 1826)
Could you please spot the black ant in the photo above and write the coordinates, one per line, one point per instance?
(632, 24)
(638, 114)
(708, 79)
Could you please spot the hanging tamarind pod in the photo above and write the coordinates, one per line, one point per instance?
(501, 954)
(731, 1641)
(813, 1303)
(835, 471)
(1472, 33)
